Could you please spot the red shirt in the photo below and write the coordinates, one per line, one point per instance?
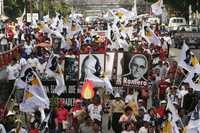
(160, 111)
(74, 109)
(61, 115)
(35, 130)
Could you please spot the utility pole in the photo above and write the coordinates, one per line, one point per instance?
(1, 7)
(31, 11)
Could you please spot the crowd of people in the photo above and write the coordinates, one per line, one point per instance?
(137, 110)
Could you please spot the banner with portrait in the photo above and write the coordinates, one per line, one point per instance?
(71, 69)
(90, 65)
(113, 67)
(135, 70)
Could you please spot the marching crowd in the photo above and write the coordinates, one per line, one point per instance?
(146, 110)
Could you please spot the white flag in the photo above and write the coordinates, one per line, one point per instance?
(194, 79)
(187, 59)
(148, 34)
(194, 123)
(157, 8)
(172, 109)
(97, 82)
(35, 96)
(54, 70)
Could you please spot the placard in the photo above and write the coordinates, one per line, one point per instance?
(113, 66)
(33, 16)
(71, 69)
(135, 70)
(90, 65)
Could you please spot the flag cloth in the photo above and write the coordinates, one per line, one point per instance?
(175, 122)
(53, 70)
(97, 82)
(148, 34)
(35, 96)
(172, 109)
(194, 79)
(74, 28)
(187, 59)
(156, 8)
(194, 123)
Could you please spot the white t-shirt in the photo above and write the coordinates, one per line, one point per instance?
(2, 129)
(34, 62)
(95, 111)
(143, 130)
(13, 71)
(28, 49)
(22, 62)
(129, 98)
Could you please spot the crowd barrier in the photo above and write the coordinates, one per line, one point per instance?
(6, 57)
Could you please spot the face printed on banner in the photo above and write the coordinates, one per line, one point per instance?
(138, 66)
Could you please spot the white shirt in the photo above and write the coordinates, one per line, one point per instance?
(143, 130)
(34, 62)
(22, 130)
(2, 129)
(13, 71)
(168, 40)
(129, 98)
(28, 49)
(95, 111)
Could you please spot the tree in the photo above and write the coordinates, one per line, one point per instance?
(13, 8)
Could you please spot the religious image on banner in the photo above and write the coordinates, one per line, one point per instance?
(90, 66)
(71, 69)
(113, 67)
(136, 70)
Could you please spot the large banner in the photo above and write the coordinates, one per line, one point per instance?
(71, 69)
(90, 65)
(121, 68)
(135, 70)
(114, 64)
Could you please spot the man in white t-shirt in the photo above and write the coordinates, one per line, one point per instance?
(130, 97)
(13, 70)
(28, 48)
(33, 61)
(95, 110)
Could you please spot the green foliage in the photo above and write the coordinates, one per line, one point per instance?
(62, 8)
(15, 8)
